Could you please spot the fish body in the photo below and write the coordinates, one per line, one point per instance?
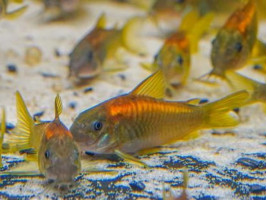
(138, 120)
(88, 58)
(174, 58)
(235, 40)
(57, 153)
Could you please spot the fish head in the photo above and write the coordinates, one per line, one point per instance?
(229, 50)
(59, 157)
(91, 129)
(174, 60)
(84, 61)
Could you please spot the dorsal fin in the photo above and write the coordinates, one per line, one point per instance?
(24, 130)
(101, 21)
(58, 106)
(153, 86)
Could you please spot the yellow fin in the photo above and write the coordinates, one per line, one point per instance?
(153, 86)
(198, 30)
(191, 136)
(16, 13)
(130, 158)
(149, 66)
(58, 106)
(22, 136)
(217, 113)
(194, 101)
(188, 20)
(257, 90)
(101, 22)
(130, 38)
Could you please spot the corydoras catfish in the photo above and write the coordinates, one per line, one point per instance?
(57, 153)
(142, 119)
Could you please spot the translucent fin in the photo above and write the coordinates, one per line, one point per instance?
(217, 113)
(191, 136)
(58, 106)
(153, 86)
(257, 90)
(101, 22)
(194, 101)
(200, 27)
(24, 130)
(16, 13)
(149, 66)
(130, 38)
(130, 158)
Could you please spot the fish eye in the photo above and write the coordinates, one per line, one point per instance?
(97, 125)
(90, 55)
(180, 60)
(238, 46)
(47, 154)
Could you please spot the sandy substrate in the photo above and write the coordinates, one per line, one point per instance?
(222, 164)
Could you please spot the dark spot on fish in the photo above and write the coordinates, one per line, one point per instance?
(222, 133)
(48, 75)
(213, 41)
(238, 46)
(12, 68)
(137, 185)
(180, 1)
(156, 56)
(38, 115)
(251, 163)
(257, 67)
(122, 77)
(90, 56)
(256, 188)
(236, 110)
(73, 104)
(202, 101)
(89, 89)
(180, 60)
(168, 92)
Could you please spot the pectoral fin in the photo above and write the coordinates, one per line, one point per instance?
(130, 158)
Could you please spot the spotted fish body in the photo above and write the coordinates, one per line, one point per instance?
(234, 42)
(139, 120)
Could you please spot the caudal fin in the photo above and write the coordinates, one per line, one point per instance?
(218, 112)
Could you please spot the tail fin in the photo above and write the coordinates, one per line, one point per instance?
(201, 24)
(130, 38)
(218, 111)
(22, 136)
(257, 90)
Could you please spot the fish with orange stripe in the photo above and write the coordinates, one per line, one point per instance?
(57, 153)
(142, 119)
(174, 57)
(234, 42)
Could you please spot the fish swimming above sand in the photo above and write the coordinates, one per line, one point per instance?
(141, 119)
(57, 154)
(174, 57)
(91, 55)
